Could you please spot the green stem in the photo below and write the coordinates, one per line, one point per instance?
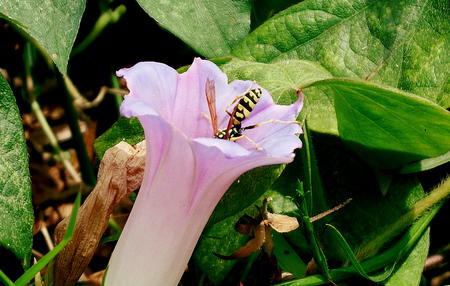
(36, 108)
(117, 97)
(106, 18)
(61, 155)
(5, 279)
(418, 209)
(86, 169)
(308, 229)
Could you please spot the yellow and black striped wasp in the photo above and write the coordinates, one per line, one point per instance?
(241, 111)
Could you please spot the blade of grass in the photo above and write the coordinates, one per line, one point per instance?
(30, 273)
(352, 257)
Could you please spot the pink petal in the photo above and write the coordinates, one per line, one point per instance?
(187, 171)
(153, 83)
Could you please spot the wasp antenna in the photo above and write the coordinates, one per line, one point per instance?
(210, 92)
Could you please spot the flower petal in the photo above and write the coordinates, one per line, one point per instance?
(187, 171)
(183, 182)
(191, 98)
(153, 83)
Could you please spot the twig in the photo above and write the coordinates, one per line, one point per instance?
(433, 261)
(47, 238)
(37, 277)
(36, 253)
(81, 103)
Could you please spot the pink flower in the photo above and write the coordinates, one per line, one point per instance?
(187, 170)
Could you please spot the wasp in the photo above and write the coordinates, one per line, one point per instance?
(241, 111)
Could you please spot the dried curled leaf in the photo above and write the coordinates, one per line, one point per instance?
(252, 245)
(282, 223)
(121, 172)
(261, 227)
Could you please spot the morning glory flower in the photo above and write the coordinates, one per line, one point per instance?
(187, 170)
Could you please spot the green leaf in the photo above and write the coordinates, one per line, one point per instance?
(426, 164)
(397, 43)
(212, 28)
(220, 238)
(387, 127)
(282, 79)
(287, 258)
(410, 272)
(16, 211)
(264, 9)
(125, 129)
(52, 23)
(245, 190)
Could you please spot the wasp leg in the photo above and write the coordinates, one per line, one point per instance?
(240, 96)
(271, 121)
(249, 140)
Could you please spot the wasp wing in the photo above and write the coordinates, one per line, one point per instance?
(210, 91)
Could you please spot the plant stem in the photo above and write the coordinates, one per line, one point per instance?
(418, 209)
(87, 171)
(5, 279)
(106, 18)
(117, 97)
(62, 156)
(36, 108)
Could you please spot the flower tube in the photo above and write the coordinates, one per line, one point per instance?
(187, 170)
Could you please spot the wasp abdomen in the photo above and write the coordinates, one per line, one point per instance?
(246, 105)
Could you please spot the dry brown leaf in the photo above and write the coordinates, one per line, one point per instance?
(261, 228)
(121, 172)
(252, 245)
(282, 223)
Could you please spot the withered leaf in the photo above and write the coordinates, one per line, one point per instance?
(282, 223)
(120, 173)
(252, 245)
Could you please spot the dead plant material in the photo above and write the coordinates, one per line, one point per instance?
(261, 228)
(121, 172)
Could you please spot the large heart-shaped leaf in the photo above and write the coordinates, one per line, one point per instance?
(52, 23)
(388, 127)
(212, 28)
(16, 212)
(397, 43)
(283, 78)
